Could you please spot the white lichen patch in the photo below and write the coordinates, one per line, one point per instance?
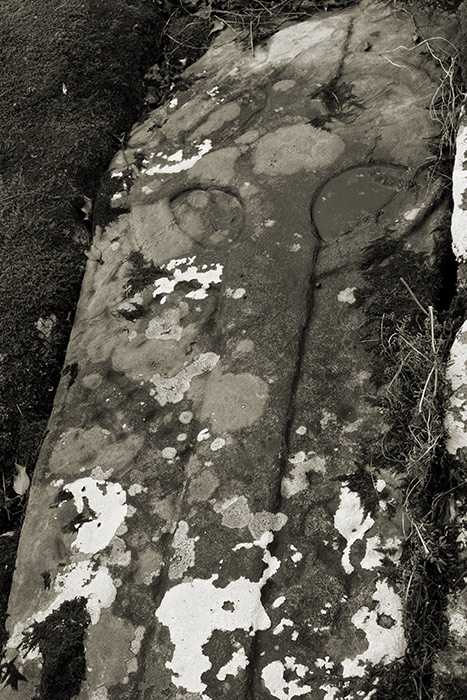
(296, 557)
(98, 473)
(193, 610)
(235, 293)
(173, 389)
(238, 662)
(347, 296)
(373, 556)
(185, 417)
(135, 489)
(274, 678)
(327, 417)
(78, 580)
(236, 514)
(263, 541)
(203, 434)
(457, 365)
(184, 547)
(217, 444)
(176, 162)
(377, 549)
(285, 622)
(330, 691)
(303, 463)
(82, 580)
(385, 643)
(459, 189)
(349, 520)
(204, 277)
(458, 624)
(169, 452)
(456, 374)
(105, 503)
(279, 601)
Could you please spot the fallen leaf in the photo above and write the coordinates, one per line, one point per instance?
(205, 11)
(217, 26)
(64, 89)
(9, 674)
(21, 481)
(87, 207)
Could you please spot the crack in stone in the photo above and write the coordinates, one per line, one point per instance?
(253, 656)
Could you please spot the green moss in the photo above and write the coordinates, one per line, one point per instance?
(60, 640)
(448, 688)
(361, 482)
(10, 675)
(409, 348)
(395, 681)
(143, 273)
(9, 543)
(104, 213)
(385, 299)
(338, 99)
(72, 88)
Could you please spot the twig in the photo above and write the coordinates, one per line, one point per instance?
(422, 398)
(392, 62)
(413, 296)
(420, 43)
(427, 551)
(408, 585)
(432, 325)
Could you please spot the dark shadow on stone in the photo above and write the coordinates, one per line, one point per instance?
(60, 639)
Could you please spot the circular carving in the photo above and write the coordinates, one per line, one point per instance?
(209, 216)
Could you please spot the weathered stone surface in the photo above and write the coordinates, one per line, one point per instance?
(197, 486)
(451, 667)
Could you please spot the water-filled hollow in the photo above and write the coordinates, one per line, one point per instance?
(344, 199)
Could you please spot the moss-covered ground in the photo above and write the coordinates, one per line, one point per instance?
(72, 84)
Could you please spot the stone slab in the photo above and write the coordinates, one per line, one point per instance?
(196, 485)
(451, 662)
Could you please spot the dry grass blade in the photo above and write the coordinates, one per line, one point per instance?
(422, 308)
